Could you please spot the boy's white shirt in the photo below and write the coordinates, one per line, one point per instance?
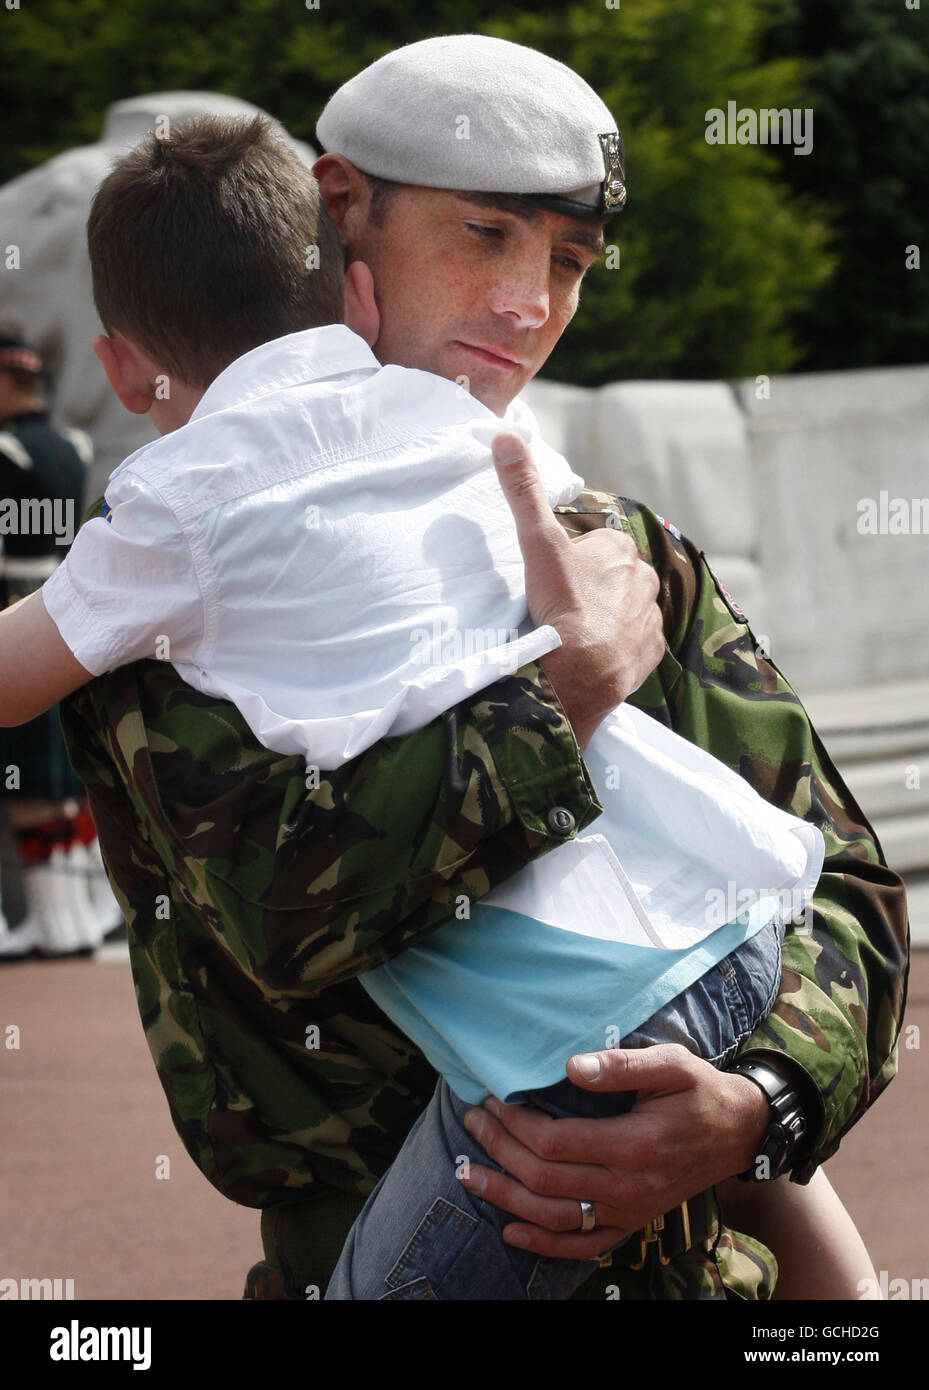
(326, 544)
(258, 548)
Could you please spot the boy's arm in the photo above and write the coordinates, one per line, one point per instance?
(37, 668)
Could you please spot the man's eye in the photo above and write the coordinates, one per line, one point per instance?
(484, 230)
(570, 263)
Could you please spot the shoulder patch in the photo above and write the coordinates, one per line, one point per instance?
(723, 592)
(669, 527)
(106, 511)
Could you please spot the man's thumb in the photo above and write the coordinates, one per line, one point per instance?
(522, 488)
(660, 1067)
(509, 448)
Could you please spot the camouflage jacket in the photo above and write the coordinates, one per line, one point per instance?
(255, 896)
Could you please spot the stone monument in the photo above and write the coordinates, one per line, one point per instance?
(45, 284)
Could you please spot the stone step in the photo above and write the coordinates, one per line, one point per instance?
(878, 737)
(889, 720)
(889, 787)
(905, 841)
(917, 898)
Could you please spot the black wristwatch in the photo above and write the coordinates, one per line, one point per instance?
(788, 1125)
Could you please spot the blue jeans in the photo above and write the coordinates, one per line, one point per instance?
(421, 1235)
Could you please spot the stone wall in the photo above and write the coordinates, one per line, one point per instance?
(776, 490)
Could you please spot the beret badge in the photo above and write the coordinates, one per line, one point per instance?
(614, 185)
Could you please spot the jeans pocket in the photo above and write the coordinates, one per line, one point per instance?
(434, 1247)
(417, 1291)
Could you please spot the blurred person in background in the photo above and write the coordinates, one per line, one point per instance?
(51, 838)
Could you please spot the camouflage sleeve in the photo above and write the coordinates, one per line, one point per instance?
(843, 988)
(307, 878)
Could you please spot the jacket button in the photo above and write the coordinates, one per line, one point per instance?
(614, 521)
(560, 821)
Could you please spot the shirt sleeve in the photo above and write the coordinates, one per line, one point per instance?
(128, 588)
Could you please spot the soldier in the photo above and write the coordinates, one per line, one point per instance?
(69, 907)
(256, 891)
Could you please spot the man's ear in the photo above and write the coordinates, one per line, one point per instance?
(344, 188)
(361, 311)
(125, 372)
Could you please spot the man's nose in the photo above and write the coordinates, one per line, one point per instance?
(523, 292)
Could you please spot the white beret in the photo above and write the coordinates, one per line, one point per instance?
(481, 115)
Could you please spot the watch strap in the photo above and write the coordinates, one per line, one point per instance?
(787, 1126)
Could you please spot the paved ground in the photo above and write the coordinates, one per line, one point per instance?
(84, 1122)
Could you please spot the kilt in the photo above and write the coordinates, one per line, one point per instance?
(36, 749)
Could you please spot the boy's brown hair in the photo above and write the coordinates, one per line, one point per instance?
(211, 241)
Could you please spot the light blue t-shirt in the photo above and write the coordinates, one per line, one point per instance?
(499, 1003)
(583, 945)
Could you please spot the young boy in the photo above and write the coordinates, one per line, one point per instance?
(298, 540)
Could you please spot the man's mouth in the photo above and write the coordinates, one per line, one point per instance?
(492, 355)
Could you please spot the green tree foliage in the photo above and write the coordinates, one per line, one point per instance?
(723, 249)
(714, 257)
(869, 87)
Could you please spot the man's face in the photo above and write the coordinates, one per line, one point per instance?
(474, 285)
(15, 398)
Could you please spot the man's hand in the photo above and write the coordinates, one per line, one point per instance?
(596, 592)
(691, 1127)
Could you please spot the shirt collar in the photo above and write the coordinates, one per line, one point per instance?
(295, 360)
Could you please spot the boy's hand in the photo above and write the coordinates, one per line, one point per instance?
(596, 592)
(37, 668)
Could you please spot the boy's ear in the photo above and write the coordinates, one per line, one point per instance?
(361, 312)
(125, 372)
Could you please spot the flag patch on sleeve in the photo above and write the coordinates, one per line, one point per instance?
(669, 526)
